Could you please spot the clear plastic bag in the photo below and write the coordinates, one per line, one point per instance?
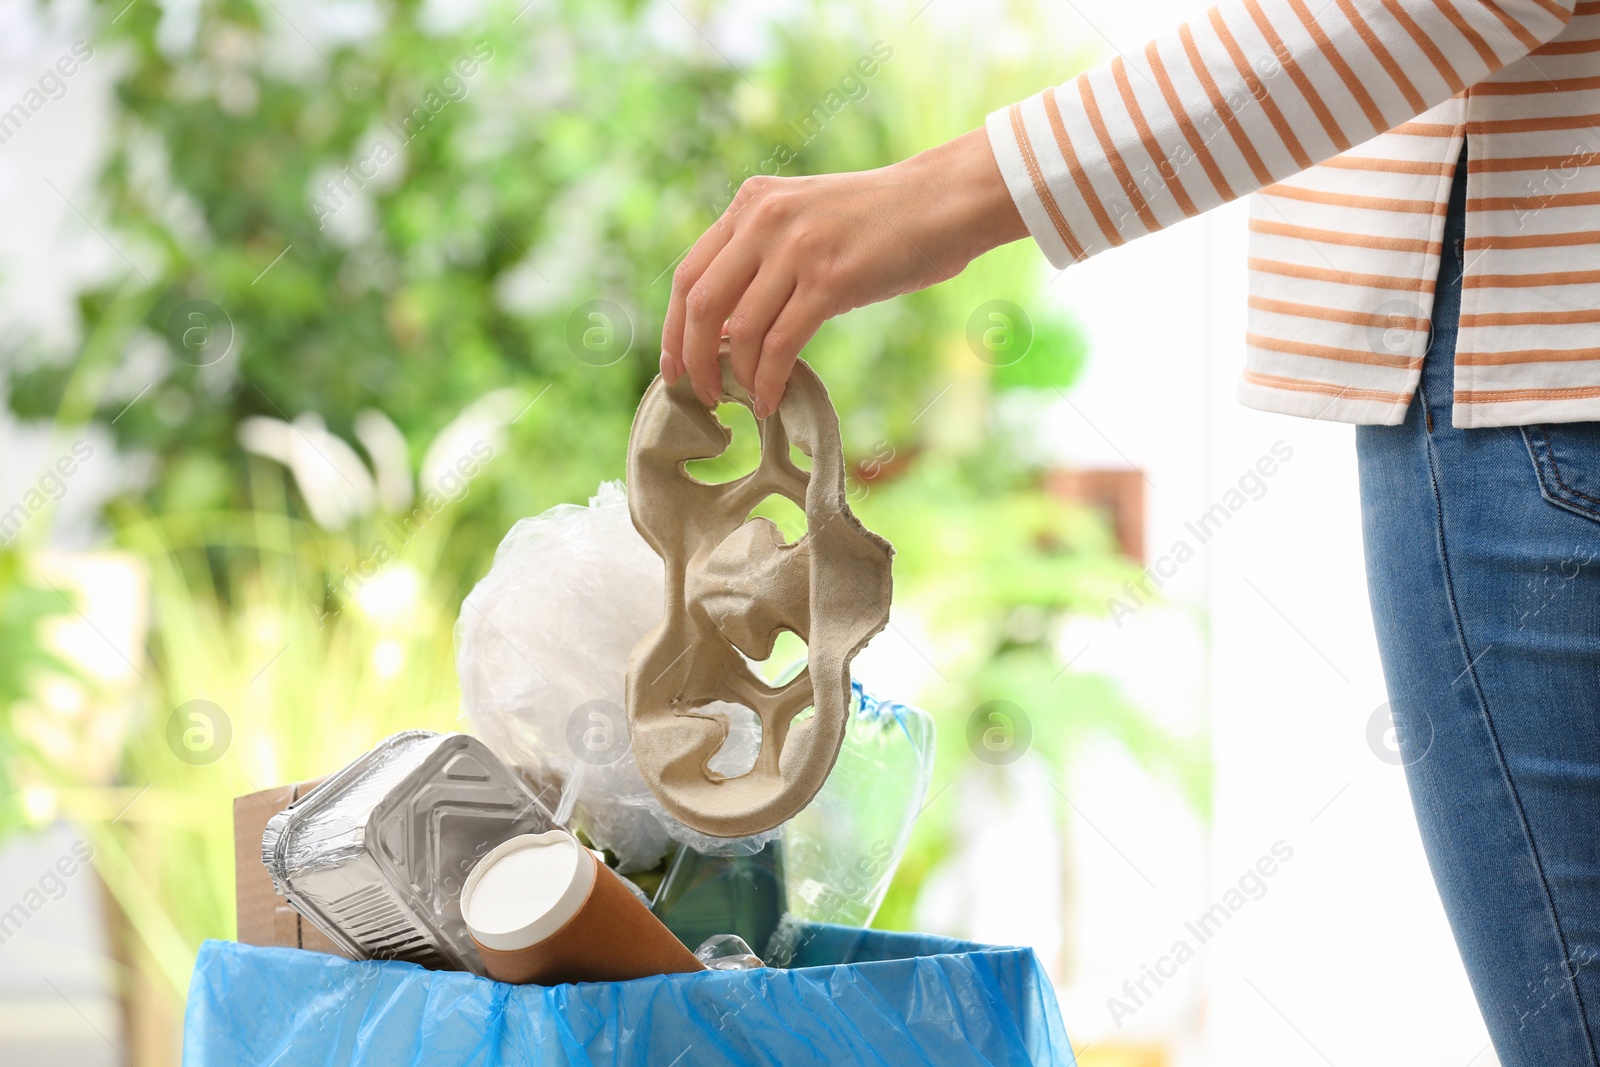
(542, 648)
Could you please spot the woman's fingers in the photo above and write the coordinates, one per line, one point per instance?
(670, 367)
(790, 332)
(841, 241)
(684, 277)
(706, 307)
(748, 325)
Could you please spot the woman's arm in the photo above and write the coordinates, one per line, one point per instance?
(1252, 92)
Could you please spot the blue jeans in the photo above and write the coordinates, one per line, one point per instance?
(1483, 567)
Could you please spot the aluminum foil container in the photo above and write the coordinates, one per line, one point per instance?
(376, 855)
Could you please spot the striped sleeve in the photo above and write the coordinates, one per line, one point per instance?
(1246, 95)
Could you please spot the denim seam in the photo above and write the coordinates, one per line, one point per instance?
(1544, 454)
(1500, 759)
(1555, 468)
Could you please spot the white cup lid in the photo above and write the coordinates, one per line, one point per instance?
(526, 889)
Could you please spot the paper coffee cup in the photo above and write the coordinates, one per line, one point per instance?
(543, 910)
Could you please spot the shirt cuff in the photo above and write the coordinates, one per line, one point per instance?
(1025, 179)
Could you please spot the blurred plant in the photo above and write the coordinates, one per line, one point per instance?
(290, 692)
(994, 568)
(984, 556)
(25, 660)
(417, 217)
(338, 487)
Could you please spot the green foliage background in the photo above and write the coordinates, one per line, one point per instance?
(578, 163)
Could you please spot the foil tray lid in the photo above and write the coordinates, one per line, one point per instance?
(327, 826)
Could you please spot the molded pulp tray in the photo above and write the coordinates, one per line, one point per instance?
(854, 996)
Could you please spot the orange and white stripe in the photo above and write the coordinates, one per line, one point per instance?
(1345, 118)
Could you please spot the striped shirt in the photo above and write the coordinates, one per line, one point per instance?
(1345, 119)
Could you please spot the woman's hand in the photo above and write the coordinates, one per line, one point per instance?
(790, 253)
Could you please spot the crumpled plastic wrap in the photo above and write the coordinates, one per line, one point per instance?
(542, 648)
(329, 829)
(864, 996)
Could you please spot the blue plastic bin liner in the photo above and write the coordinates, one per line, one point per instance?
(854, 997)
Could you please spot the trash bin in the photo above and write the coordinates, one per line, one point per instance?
(850, 996)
